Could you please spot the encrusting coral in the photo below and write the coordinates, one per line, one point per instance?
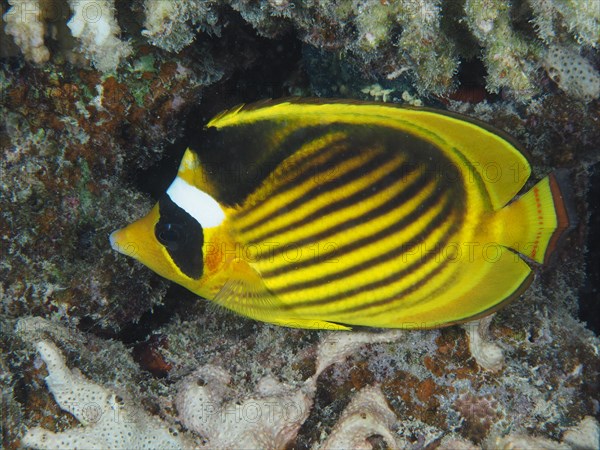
(583, 436)
(108, 420)
(269, 419)
(367, 415)
(487, 354)
(218, 413)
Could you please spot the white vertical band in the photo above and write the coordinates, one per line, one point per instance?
(198, 204)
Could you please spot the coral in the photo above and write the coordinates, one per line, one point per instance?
(85, 152)
(335, 347)
(586, 434)
(206, 404)
(94, 24)
(487, 354)
(508, 57)
(417, 43)
(25, 22)
(269, 419)
(581, 19)
(366, 416)
(583, 436)
(573, 73)
(173, 25)
(424, 49)
(71, 143)
(108, 420)
(479, 413)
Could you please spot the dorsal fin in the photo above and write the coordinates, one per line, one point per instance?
(488, 156)
(193, 172)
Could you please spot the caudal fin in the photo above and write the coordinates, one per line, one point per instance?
(536, 221)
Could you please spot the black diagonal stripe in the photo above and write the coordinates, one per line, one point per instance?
(380, 185)
(329, 152)
(435, 223)
(323, 188)
(437, 270)
(400, 293)
(385, 208)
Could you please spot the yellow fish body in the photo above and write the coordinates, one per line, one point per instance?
(329, 215)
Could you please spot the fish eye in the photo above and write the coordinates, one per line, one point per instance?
(169, 234)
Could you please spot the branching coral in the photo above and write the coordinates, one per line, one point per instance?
(25, 22)
(94, 24)
(172, 25)
(383, 40)
(581, 19)
(422, 47)
(509, 58)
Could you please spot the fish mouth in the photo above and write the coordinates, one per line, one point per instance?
(114, 241)
(121, 242)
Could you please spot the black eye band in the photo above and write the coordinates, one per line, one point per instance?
(182, 236)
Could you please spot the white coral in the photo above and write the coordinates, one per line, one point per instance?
(573, 73)
(367, 415)
(94, 23)
(109, 421)
(269, 419)
(487, 354)
(336, 346)
(25, 22)
(583, 436)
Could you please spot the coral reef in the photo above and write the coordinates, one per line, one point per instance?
(231, 397)
(94, 115)
(424, 40)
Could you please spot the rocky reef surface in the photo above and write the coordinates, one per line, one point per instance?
(98, 100)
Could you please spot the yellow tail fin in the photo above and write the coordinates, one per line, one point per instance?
(534, 223)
